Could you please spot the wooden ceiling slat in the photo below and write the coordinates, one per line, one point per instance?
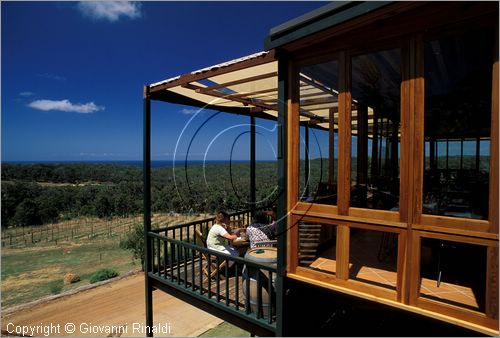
(187, 78)
(222, 95)
(246, 95)
(235, 82)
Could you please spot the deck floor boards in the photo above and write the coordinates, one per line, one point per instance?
(231, 288)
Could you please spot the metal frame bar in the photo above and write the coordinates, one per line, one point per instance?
(283, 82)
(147, 208)
(252, 165)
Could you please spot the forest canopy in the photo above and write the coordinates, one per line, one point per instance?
(35, 194)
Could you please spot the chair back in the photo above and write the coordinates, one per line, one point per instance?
(200, 241)
(270, 243)
(235, 224)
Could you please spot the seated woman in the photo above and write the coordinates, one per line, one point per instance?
(218, 235)
(259, 231)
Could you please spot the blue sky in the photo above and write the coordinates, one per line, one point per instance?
(73, 75)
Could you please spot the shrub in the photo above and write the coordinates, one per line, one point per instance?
(56, 286)
(103, 274)
(134, 241)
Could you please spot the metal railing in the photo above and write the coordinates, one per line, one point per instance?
(236, 285)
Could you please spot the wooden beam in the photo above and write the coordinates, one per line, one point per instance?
(257, 92)
(204, 90)
(324, 100)
(318, 86)
(224, 96)
(187, 78)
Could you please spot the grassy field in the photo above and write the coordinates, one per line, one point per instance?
(32, 273)
(226, 330)
(38, 269)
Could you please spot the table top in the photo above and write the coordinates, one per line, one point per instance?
(263, 252)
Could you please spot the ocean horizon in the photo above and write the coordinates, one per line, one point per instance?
(154, 163)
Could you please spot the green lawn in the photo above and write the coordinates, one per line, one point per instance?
(31, 273)
(226, 330)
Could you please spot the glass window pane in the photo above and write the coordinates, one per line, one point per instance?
(317, 246)
(375, 129)
(373, 257)
(318, 144)
(458, 108)
(453, 273)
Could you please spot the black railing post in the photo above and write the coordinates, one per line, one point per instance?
(306, 160)
(283, 83)
(147, 209)
(252, 165)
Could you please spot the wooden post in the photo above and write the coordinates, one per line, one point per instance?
(342, 251)
(344, 170)
(331, 147)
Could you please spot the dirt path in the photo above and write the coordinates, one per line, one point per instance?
(119, 303)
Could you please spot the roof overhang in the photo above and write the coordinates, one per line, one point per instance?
(246, 85)
(325, 17)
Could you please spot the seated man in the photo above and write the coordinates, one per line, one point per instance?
(259, 231)
(218, 236)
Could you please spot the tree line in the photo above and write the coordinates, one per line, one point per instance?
(35, 194)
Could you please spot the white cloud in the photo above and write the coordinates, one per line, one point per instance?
(110, 10)
(26, 94)
(65, 105)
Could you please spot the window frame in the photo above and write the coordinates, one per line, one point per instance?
(409, 222)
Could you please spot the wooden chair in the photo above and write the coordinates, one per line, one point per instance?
(209, 260)
(236, 224)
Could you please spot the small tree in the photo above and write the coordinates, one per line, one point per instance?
(134, 241)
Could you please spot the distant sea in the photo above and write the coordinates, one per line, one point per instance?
(154, 164)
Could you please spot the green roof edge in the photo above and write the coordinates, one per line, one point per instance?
(319, 19)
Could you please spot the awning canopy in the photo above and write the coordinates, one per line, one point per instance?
(247, 86)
